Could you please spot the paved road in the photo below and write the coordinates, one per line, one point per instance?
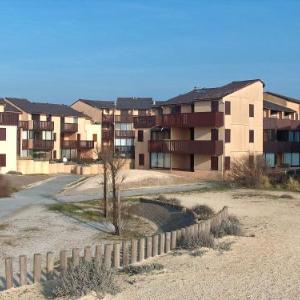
(139, 191)
(42, 193)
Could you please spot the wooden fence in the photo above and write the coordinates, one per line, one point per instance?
(115, 255)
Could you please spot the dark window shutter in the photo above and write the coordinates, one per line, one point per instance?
(214, 134)
(214, 163)
(251, 110)
(214, 106)
(227, 107)
(251, 136)
(140, 136)
(227, 163)
(54, 154)
(2, 134)
(54, 136)
(2, 160)
(227, 136)
(141, 159)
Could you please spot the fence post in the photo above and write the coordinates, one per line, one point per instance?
(134, 246)
(155, 245)
(87, 254)
(9, 273)
(75, 256)
(63, 261)
(116, 248)
(125, 253)
(183, 233)
(99, 254)
(149, 246)
(162, 239)
(173, 239)
(168, 242)
(37, 267)
(50, 264)
(107, 256)
(178, 234)
(23, 269)
(141, 249)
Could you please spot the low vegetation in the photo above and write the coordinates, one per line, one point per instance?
(141, 269)
(172, 200)
(5, 190)
(192, 242)
(83, 279)
(203, 212)
(231, 226)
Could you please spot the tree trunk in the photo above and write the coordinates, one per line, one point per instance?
(117, 213)
(105, 190)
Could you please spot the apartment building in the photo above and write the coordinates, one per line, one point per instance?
(203, 130)
(281, 130)
(9, 117)
(116, 118)
(53, 131)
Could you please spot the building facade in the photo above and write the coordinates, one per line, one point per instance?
(53, 131)
(116, 118)
(203, 130)
(281, 130)
(9, 117)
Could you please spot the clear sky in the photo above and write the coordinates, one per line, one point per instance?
(60, 51)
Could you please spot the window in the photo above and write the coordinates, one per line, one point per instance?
(251, 136)
(2, 134)
(175, 109)
(214, 134)
(124, 142)
(47, 135)
(270, 159)
(214, 163)
(124, 126)
(140, 136)
(2, 160)
(95, 138)
(227, 135)
(214, 106)
(227, 163)
(141, 159)
(160, 160)
(251, 110)
(227, 107)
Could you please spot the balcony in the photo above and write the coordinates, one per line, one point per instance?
(107, 118)
(125, 133)
(37, 144)
(281, 147)
(125, 151)
(73, 144)
(182, 120)
(186, 147)
(7, 118)
(124, 119)
(40, 125)
(107, 134)
(274, 123)
(23, 124)
(69, 127)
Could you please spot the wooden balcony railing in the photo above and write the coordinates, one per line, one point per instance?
(107, 118)
(73, 144)
(274, 123)
(37, 144)
(107, 134)
(41, 125)
(69, 127)
(281, 147)
(183, 120)
(7, 118)
(124, 119)
(186, 147)
(125, 133)
(23, 124)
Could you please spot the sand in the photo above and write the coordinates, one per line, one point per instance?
(266, 266)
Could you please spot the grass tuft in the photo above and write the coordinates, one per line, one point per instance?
(141, 269)
(193, 242)
(231, 226)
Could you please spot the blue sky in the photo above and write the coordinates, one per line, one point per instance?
(60, 51)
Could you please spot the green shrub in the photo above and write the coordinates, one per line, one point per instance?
(147, 268)
(192, 242)
(203, 212)
(83, 279)
(231, 226)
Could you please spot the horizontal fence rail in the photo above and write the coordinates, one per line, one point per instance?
(110, 255)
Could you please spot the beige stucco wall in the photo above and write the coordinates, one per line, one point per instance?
(94, 113)
(180, 161)
(9, 148)
(240, 123)
(142, 148)
(180, 133)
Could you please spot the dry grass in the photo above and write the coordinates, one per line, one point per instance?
(194, 242)
(231, 226)
(203, 212)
